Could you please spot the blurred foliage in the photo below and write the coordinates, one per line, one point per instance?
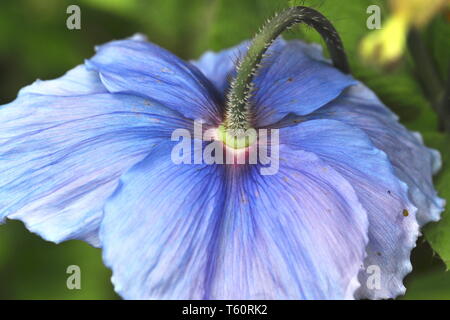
(437, 37)
(386, 46)
(438, 234)
(31, 268)
(35, 43)
(429, 279)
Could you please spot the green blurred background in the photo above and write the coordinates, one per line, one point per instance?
(35, 43)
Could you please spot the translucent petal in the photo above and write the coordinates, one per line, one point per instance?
(228, 232)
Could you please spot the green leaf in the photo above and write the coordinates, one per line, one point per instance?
(429, 286)
(438, 234)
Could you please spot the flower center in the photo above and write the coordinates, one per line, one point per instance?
(237, 139)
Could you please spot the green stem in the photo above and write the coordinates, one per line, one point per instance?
(238, 109)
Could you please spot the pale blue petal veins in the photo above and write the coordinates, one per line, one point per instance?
(228, 232)
(292, 80)
(413, 162)
(62, 156)
(392, 235)
(142, 68)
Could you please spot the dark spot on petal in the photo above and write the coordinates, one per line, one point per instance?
(290, 80)
(378, 253)
(405, 213)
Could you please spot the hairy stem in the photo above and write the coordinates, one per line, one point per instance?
(238, 109)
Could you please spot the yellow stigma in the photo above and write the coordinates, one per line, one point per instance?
(237, 139)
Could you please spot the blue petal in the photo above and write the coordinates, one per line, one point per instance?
(227, 232)
(62, 156)
(295, 79)
(218, 67)
(391, 235)
(141, 68)
(413, 162)
(77, 81)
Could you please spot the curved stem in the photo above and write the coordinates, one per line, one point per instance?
(238, 113)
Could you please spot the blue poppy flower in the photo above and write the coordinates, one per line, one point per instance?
(88, 156)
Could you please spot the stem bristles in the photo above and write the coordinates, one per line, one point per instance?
(238, 109)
